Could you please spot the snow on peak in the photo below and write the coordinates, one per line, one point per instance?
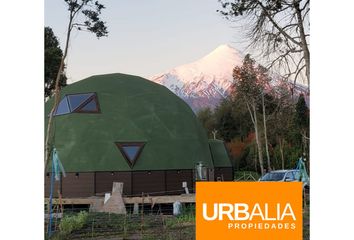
(218, 63)
(205, 82)
(210, 76)
(224, 50)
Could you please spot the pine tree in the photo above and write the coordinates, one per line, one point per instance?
(52, 58)
(302, 120)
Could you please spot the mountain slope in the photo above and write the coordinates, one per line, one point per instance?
(205, 82)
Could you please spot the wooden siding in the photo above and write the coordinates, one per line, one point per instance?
(104, 182)
(174, 180)
(168, 182)
(152, 182)
(211, 174)
(47, 186)
(78, 186)
(223, 174)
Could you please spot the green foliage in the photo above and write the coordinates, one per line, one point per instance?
(250, 80)
(287, 121)
(284, 117)
(188, 209)
(242, 7)
(100, 225)
(291, 155)
(187, 216)
(71, 223)
(206, 118)
(302, 113)
(91, 22)
(231, 120)
(270, 104)
(225, 121)
(248, 160)
(246, 175)
(52, 58)
(302, 121)
(91, 10)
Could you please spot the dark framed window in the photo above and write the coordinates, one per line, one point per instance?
(76, 100)
(91, 105)
(130, 151)
(78, 103)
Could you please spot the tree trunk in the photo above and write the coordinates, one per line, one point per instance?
(255, 157)
(260, 154)
(253, 115)
(304, 141)
(49, 136)
(281, 152)
(304, 45)
(265, 133)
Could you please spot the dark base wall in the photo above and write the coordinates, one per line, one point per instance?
(104, 181)
(56, 186)
(168, 182)
(174, 179)
(223, 174)
(81, 185)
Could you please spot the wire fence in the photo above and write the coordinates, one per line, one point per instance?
(150, 222)
(162, 193)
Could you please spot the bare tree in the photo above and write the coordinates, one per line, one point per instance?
(91, 22)
(279, 29)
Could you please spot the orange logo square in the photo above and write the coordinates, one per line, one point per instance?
(249, 210)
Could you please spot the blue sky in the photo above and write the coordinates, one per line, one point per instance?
(145, 37)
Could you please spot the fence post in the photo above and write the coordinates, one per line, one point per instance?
(142, 214)
(93, 222)
(125, 226)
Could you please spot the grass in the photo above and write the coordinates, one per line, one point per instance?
(186, 218)
(115, 226)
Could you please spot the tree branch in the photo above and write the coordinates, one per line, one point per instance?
(277, 26)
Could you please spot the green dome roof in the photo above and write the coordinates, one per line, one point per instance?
(219, 153)
(132, 109)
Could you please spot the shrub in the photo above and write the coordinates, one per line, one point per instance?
(70, 223)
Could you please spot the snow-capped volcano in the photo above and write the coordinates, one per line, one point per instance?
(205, 82)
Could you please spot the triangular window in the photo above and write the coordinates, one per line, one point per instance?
(78, 103)
(89, 106)
(130, 151)
(76, 100)
(63, 107)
